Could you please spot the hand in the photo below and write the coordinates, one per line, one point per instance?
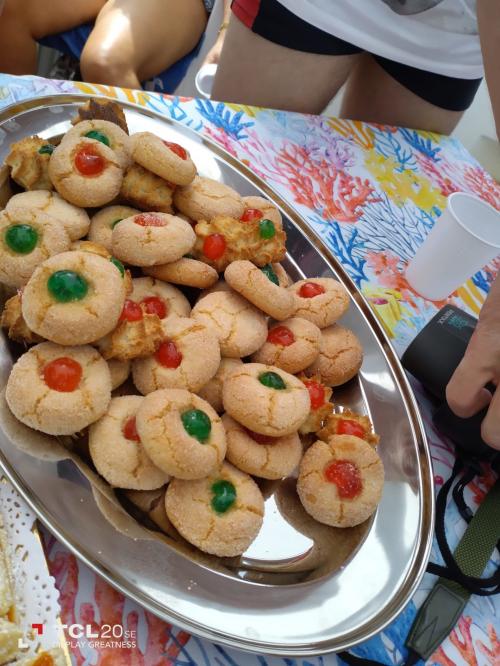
(480, 365)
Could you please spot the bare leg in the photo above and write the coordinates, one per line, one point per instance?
(133, 41)
(22, 22)
(253, 70)
(373, 95)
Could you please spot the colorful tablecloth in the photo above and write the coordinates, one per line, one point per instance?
(372, 193)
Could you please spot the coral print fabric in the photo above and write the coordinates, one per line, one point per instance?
(371, 193)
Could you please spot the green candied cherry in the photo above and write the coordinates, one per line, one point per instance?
(272, 380)
(21, 238)
(115, 222)
(116, 262)
(267, 229)
(66, 286)
(98, 136)
(223, 496)
(270, 274)
(47, 149)
(197, 424)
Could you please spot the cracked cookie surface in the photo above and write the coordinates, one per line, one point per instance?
(340, 356)
(167, 160)
(205, 198)
(291, 345)
(320, 300)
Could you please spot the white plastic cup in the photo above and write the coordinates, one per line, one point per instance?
(204, 80)
(464, 239)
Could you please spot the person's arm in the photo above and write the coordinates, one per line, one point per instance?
(488, 18)
(465, 392)
(214, 54)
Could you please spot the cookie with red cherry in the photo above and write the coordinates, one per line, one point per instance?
(349, 423)
(166, 159)
(320, 396)
(108, 133)
(261, 209)
(340, 481)
(320, 300)
(291, 345)
(59, 390)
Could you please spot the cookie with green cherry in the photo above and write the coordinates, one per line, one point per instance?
(220, 514)
(291, 345)
(109, 134)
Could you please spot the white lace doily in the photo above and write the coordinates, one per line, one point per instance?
(35, 594)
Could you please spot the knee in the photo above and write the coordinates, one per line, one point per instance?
(101, 65)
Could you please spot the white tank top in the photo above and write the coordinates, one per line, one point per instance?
(438, 36)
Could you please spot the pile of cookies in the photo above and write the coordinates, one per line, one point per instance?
(163, 326)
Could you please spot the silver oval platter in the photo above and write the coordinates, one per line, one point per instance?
(301, 588)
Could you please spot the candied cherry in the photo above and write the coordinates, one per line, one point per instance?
(267, 229)
(98, 136)
(89, 162)
(272, 380)
(346, 476)
(251, 215)
(46, 149)
(149, 220)
(66, 286)
(130, 430)
(168, 355)
(21, 238)
(214, 246)
(63, 374)
(197, 424)
(223, 496)
(316, 393)
(350, 427)
(281, 335)
(132, 311)
(268, 271)
(178, 150)
(155, 305)
(311, 289)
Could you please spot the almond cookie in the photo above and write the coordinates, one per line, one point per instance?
(164, 158)
(117, 451)
(74, 219)
(59, 390)
(74, 298)
(28, 160)
(320, 300)
(204, 199)
(266, 399)
(321, 407)
(181, 433)
(103, 223)
(340, 481)
(158, 297)
(85, 172)
(138, 334)
(349, 423)
(186, 271)
(212, 391)
(109, 134)
(225, 239)
(151, 238)
(292, 345)
(188, 358)
(340, 356)
(27, 238)
(221, 514)
(258, 208)
(260, 455)
(146, 190)
(239, 326)
(12, 319)
(261, 287)
(119, 372)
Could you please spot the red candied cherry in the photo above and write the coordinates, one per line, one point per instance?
(132, 311)
(252, 214)
(350, 427)
(316, 393)
(155, 305)
(130, 430)
(214, 246)
(346, 476)
(311, 289)
(63, 374)
(89, 161)
(168, 355)
(281, 335)
(149, 220)
(178, 150)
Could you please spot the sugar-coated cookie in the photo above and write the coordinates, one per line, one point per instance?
(321, 407)
(85, 172)
(260, 455)
(281, 274)
(104, 221)
(181, 433)
(291, 345)
(151, 238)
(146, 190)
(265, 399)
(212, 390)
(74, 298)
(259, 208)
(28, 160)
(185, 271)
(187, 358)
(221, 514)
(205, 198)
(261, 287)
(349, 423)
(158, 297)
(110, 134)
(340, 481)
(239, 326)
(340, 356)
(320, 300)
(164, 158)
(74, 219)
(119, 372)
(59, 390)
(117, 451)
(27, 237)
